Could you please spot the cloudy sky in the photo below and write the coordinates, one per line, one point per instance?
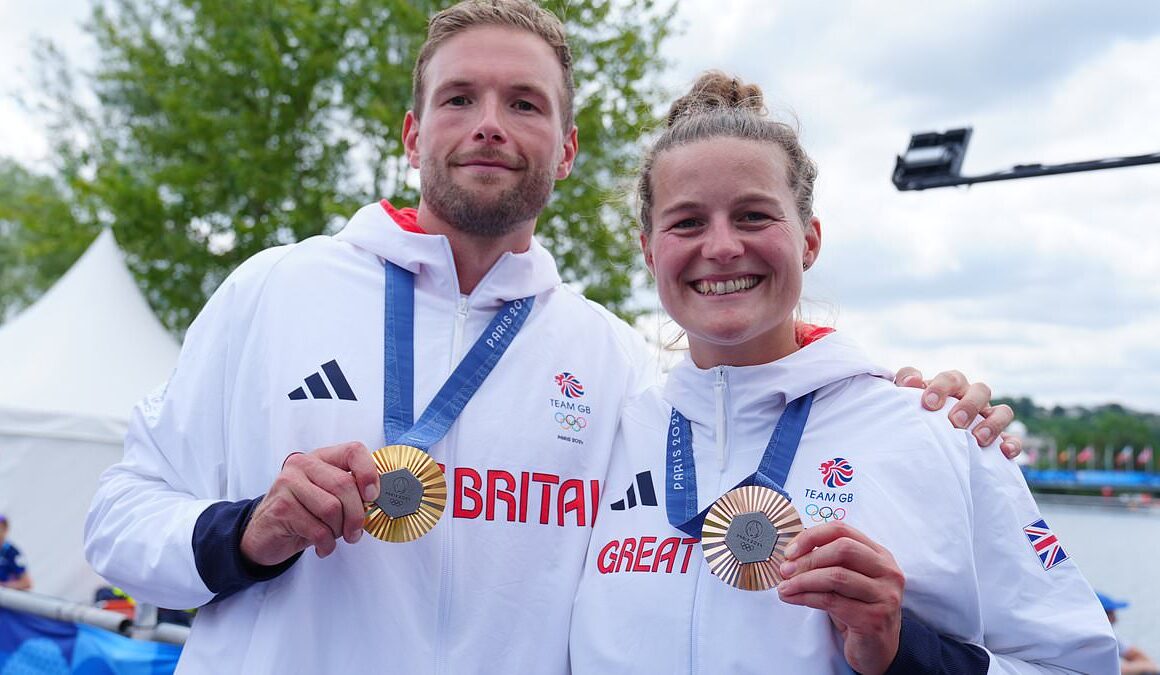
(1046, 287)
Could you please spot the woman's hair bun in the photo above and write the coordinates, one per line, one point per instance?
(716, 90)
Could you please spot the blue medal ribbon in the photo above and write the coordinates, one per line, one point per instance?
(464, 381)
(681, 467)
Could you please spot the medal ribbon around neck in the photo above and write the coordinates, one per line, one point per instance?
(412, 486)
(745, 532)
(681, 467)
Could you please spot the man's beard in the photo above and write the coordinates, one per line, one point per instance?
(481, 212)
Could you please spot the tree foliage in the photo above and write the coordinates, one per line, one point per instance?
(1106, 427)
(223, 127)
(39, 235)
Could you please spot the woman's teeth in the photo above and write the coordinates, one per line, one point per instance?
(725, 287)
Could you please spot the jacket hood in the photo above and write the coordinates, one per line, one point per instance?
(514, 275)
(755, 392)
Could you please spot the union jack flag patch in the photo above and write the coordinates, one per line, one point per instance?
(1045, 544)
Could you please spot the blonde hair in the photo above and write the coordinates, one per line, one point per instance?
(720, 106)
(522, 14)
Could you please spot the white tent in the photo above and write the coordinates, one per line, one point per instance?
(71, 367)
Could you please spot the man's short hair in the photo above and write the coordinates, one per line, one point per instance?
(522, 14)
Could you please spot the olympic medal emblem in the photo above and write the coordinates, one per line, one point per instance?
(745, 536)
(412, 494)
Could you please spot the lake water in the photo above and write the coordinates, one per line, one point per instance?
(1116, 548)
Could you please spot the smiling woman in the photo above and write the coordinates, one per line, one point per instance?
(728, 250)
(771, 426)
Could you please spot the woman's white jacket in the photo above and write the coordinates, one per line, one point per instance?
(958, 519)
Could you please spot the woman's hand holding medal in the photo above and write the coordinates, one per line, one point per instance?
(317, 498)
(838, 569)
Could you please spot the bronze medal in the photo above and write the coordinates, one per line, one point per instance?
(412, 494)
(745, 535)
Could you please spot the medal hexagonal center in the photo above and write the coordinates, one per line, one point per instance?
(399, 493)
(750, 537)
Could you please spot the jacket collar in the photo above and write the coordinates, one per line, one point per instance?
(399, 240)
(755, 393)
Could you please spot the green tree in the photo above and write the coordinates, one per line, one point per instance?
(1110, 426)
(40, 236)
(223, 127)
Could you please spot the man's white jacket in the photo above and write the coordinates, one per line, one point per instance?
(959, 521)
(288, 356)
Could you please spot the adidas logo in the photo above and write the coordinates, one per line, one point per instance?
(648, 496)
(316, 384)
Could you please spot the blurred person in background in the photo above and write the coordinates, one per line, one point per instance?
(1133, 661)
(13, 572)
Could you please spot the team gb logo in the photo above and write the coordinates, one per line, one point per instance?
(836, 472)
(570, 387)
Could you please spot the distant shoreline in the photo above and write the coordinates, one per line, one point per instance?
(1122, 502)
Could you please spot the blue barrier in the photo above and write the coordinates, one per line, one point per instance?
(1093, 478)
(32, 644)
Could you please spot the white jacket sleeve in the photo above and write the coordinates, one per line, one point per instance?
(138, 533)
(1037, 617)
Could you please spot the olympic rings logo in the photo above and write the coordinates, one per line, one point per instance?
(824, 514)
(571, 422)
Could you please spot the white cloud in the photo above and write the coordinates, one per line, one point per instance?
(22, 23)
(1044, 287)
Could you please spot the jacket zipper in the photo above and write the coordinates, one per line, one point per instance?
(695, 619)
(449, 461)
(720, 392)
(720, 389)
(457, 333)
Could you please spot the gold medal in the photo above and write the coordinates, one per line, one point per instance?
(745, 535)
(412, 494)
